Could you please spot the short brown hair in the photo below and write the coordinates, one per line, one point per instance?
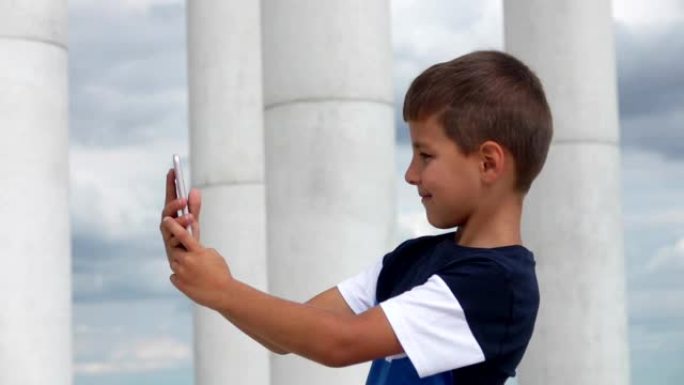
(487, 95)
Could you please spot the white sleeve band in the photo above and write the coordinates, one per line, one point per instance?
(431, 326)
(359, 291)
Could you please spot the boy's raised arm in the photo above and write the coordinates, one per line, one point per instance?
(253, 335)
(331, 300)
(331, 338)
(331, 335)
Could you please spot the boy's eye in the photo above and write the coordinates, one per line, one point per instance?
(424, 155)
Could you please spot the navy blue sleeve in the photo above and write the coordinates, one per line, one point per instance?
(459, 317)
(482, 288)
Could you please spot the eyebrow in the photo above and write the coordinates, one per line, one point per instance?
(419, 144)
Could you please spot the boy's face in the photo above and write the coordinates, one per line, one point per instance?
(447, 180)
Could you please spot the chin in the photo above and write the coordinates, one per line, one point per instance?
(441, 223)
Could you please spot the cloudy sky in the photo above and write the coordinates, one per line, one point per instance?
(128, 99)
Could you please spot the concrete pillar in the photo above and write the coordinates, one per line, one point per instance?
(573, 219)
(329, 153)
(35, 279)
(226, 158)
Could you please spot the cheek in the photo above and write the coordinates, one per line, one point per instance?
(430, 177)
(468, 188)
(459, 187)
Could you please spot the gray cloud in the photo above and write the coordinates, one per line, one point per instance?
(106, 270)
(652, 187)
(650, 79)
(127, 74)
(651, 88)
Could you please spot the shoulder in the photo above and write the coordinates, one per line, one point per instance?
(478, 279)
(413, 247)
(511, 264)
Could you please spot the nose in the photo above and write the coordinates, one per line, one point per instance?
(411, 176)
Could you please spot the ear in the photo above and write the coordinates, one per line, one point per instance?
(492, 158)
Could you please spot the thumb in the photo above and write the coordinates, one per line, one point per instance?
(195, 203)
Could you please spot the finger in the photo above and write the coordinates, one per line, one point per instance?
(195, 202)
(182, 234)
(195, 230)
(185, 220)
(176, 267)
(173, 242)
(172, 208)
(175, 251)
(189, 221)
(170, 186)
(195, 206)
(166, 234)
(169, 240)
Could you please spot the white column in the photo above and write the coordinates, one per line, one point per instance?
(329, 153)
(35, 279)
(226, 156)
(573, 219)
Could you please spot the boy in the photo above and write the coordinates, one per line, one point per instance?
(456, 308)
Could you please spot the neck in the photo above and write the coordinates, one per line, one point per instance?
(494, 224)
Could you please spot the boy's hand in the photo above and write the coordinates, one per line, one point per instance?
(213, 270)
(173, 205)
(200, 273)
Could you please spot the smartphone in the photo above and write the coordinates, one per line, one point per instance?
(180, 185)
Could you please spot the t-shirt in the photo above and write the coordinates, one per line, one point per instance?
(463, 315)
